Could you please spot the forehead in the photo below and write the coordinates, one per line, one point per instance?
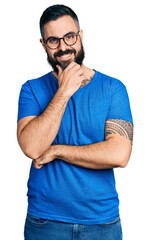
(60, 27)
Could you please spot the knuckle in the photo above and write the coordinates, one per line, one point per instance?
(78, 66)
(36, 163)
(80, 71)
(73, 64)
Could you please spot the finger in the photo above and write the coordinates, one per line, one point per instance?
(59, 70)
(36, 164)
(43, 159)
(39, 166)
(72, 66)
(79, 71)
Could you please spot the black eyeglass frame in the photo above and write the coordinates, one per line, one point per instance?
(77, 34)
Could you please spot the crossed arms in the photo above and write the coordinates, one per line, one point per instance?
(36, 134)
(113, 152)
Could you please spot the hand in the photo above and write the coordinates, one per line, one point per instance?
(70, 79)
(47, 157)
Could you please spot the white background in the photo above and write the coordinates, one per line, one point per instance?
(117, 43)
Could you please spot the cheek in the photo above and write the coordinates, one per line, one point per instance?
(78, 45)
(78, 49)
(50, 52)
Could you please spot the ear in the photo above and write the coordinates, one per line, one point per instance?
(81, 35)
(43, 44)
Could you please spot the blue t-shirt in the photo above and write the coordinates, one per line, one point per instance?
(61, 191)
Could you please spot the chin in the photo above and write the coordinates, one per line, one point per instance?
(65, 64)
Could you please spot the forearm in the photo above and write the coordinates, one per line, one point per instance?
(102, 155)
(39, 133)
(35, 134)
(114, 152)
(89, 156)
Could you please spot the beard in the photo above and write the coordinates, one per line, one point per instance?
(79, 57)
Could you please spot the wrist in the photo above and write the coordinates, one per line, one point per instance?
(55, 149)
(66, 94)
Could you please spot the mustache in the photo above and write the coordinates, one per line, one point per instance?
(61, 53)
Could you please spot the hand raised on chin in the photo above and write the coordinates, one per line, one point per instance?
(70, 79)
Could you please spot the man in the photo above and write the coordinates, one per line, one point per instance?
(76, 125)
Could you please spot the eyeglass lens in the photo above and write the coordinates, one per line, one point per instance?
(69, 39)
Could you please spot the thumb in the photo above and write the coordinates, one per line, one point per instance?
(59, 70)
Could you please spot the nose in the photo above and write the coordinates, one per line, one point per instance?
(62, 45)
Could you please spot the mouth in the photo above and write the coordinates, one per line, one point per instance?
(65, 56)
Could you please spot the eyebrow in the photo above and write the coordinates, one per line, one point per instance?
(69, 33)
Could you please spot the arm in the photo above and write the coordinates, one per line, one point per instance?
(113, 152)
(35, 134)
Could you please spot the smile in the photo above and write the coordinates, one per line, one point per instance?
(65, 56)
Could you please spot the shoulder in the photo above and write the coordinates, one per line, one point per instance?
(112, 81)
(38, 81)
(40, 84)
(111, 84)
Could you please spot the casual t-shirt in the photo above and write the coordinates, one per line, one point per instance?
(65, 192)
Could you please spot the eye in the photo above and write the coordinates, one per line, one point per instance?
(53, 40)
(70, 36)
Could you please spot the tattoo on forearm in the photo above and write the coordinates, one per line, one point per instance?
(122, 127)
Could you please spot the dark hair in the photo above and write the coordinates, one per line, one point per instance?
(54, 12)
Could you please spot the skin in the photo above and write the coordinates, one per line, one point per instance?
(60, 28)
(36, 134)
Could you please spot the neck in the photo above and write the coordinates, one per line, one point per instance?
(89, 74)
(87, 71)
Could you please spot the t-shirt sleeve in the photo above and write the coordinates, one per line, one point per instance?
(28, 104)
(120, 105)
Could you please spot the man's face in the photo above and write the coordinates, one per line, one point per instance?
(64, 54)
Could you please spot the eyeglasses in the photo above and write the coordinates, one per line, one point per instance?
(69, 39)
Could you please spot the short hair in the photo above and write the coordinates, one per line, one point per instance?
(54, 12)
